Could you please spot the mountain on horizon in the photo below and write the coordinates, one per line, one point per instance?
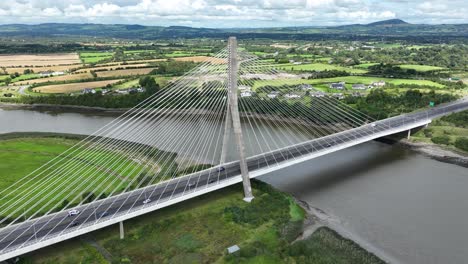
(395, 21)
(392, 27)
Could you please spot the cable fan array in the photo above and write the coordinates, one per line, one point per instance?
(170, 145)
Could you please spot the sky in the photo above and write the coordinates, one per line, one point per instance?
(232, 13)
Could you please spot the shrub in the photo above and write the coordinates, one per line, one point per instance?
(441, 140)
(462, 143)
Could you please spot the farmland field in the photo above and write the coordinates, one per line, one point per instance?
(348, 80)
(67, 77)
(112, 67)
(130, 72)
(421, 68)
(365, 65)
(319, 67)
(38, 60)
(11, 70)
(95, 59)
(73, 87)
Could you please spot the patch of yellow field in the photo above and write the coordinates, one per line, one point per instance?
(73, 87)
(37, 69)
(62, 78)
(21, 60)
(129, 72)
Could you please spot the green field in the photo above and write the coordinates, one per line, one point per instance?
(319, 67)
(24, 77)
(421, 68)
(176, 54)
(366, 65)
(348, 79)
(445, 128)
(95, 54)
(200, 230)
(21, 156)
(94, 57)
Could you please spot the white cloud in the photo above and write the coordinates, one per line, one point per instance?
(231, 13)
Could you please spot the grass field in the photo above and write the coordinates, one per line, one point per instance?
(161, 80)
(365, 65)
(61, 78)
(89, 60)
(348, 79)
(73, 87)
(319, 67)
(25, 77)
(21, 156)
(94, 57)
(421, 68)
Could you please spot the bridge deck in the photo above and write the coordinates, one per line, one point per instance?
(56, 227)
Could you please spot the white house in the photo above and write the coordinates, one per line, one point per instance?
(246, 94)
(88, 91)
(292, 96)
(318, 94)
(378, 84)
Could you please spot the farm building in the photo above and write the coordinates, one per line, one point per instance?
(359, 86)
(338, 86)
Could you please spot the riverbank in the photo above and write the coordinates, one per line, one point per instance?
(315, 219)
(436, 152)
(64, 108)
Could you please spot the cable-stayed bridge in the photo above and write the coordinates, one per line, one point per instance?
(230, 119)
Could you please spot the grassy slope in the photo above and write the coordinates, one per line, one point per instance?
(19, 157)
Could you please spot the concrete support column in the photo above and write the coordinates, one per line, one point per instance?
(122, 233)
(227, 132)
(233, 105)
(409, 134)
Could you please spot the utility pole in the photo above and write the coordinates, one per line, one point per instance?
(234, 116)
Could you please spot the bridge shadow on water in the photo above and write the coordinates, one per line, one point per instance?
(336, 168)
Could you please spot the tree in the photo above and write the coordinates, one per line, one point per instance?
(462, 143)
(149, 84)
(7, 81)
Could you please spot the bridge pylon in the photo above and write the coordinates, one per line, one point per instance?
(234, 119)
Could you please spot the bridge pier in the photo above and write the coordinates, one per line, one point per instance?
(234, 115)
(409, 134)
(122, 233)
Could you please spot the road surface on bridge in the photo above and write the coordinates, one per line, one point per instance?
(50, 226)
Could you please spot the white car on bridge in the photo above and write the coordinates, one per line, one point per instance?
(73, 212)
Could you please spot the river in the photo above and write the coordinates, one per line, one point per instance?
(412, 208)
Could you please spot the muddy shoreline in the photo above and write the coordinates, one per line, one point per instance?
(317, 218)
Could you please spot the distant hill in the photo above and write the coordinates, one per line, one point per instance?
(389, 22)
(395, 28)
